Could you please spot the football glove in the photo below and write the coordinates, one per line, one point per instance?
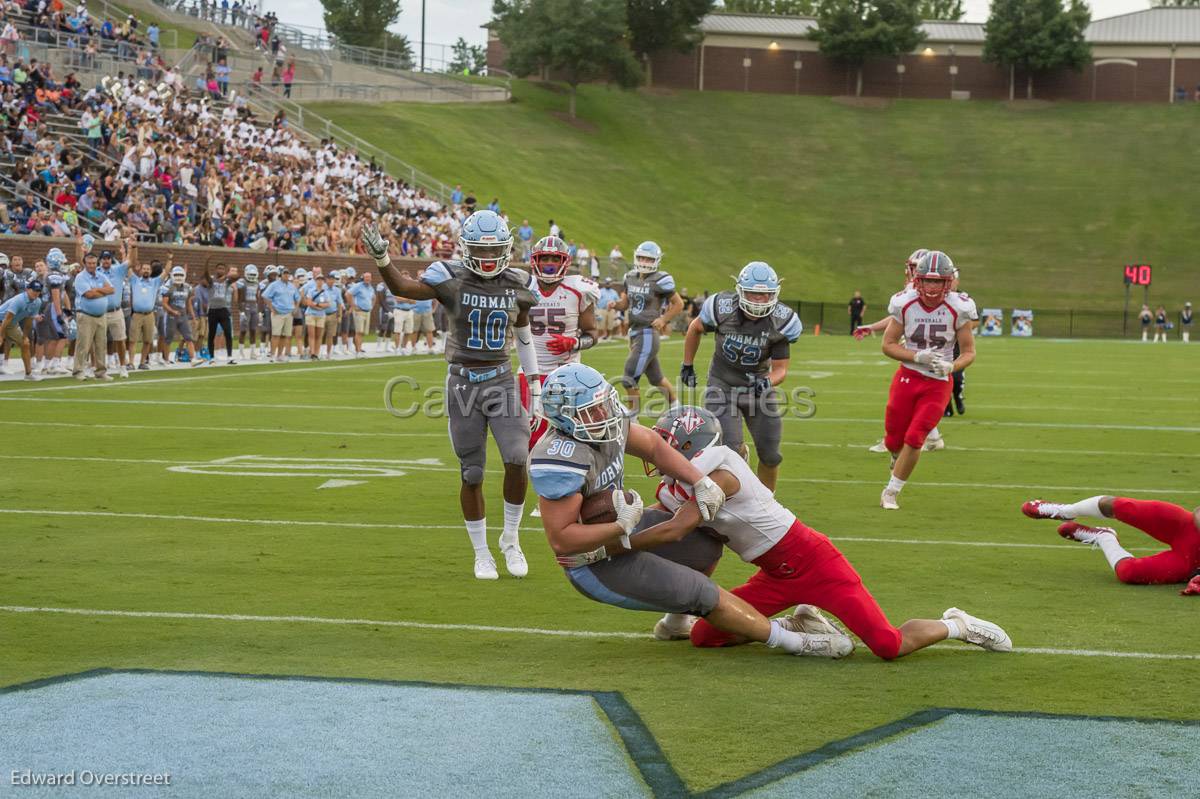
(560, 344)
(924, 357)
(761, 386)
(941, 367)
(1193, 586)
(376, 244)
(583, 558)
(709, 497)
(628, 513)
(687, 375)
(861, 332)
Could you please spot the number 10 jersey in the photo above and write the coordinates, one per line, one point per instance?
(480, 310)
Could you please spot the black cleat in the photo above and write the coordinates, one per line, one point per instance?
(960, 406)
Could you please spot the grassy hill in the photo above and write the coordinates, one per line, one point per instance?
(1038, 205)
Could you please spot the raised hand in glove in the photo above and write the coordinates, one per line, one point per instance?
(687, 375)
(376, 244)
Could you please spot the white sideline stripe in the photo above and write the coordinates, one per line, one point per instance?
(487, 628)
(386, 526)
(1000, 486)
(282, 431)
(220, 376)
(990, 423)
(1120, 452)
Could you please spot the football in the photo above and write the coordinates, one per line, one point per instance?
(598, 508)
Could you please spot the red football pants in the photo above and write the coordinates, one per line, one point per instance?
(537, 425)
(1170, 524)
(806, 568)
(915, 406)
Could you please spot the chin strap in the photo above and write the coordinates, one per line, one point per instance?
(526, 353)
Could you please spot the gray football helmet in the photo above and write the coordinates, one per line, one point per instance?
(688, 429)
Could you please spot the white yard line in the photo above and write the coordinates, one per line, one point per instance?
(487, 628)
(1002, 486)
(1024, 450)
(280, 431)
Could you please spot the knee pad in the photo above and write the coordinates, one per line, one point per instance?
(772, 457)
(472, 474)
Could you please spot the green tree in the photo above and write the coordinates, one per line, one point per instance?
(794, 8)
(1036, 35)
(852, 31)
(398, 47)
(942, 9)
(361, 22)
(657, 25)
(583, 40)
(467, 58)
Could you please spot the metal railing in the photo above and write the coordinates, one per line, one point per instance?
(10, 187)
(313, 91)
(59, 38)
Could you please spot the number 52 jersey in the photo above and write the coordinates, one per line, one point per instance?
(480, 310)
(931, 328)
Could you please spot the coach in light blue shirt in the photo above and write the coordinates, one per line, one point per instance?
(363, 295)
(85, 281)
(92, 290)
(282, 295)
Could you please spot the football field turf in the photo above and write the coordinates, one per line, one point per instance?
(189, 508)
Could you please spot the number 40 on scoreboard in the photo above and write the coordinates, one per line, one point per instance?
(1137, 274)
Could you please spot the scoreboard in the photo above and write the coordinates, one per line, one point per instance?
(1137, 274)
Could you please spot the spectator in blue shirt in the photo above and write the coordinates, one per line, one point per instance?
(283, 297)
(456, 196)
(525, 238)
(116, 272)
(606, 316)
(317, 300)
(362, 295)
(17, 316)
(92, 291)
(422, 314)
(152, 34)
(144, 288)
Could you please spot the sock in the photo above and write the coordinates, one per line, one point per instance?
(934, 435)
(1085, 507)
(512, 524)
(895, 484)
(953, 628)
(1112, 549)
(477, 531)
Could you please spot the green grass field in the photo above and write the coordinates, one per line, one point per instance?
(113, 502)
(1040, 206)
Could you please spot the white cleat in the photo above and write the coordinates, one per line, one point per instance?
(674, 627)
(33, 378)
(934, 444)
(514, 561)
(979, 632)
(878, 447)
(821, 645)
(889, 500)
(808, 619)
(485, 569)
(124, 372)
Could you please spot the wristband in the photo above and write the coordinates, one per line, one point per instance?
(585, 341)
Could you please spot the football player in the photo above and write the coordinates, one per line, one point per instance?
(563, 322)
(249, 304)
(1173, 525)
(485, 300)
(796, 563)
(652, 302)
(959, 377)
(17, 316)
(931, 320)
(180, 311)
(51, 329)
(582, 455)
(754, 334)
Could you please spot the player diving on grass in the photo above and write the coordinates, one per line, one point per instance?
(931, 319)
(1173, 525)
(797, 565)
(754, 334)
(582, 458)
(652, 303)
(484, 299)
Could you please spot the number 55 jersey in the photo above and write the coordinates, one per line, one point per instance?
(480, 310)
(558, 313)
(931, 328)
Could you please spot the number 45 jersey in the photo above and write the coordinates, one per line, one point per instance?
(745, 345)
(931, 328)
(557, 313)
(480, 310)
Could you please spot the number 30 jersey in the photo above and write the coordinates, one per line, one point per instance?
(480, 310)
(557, 313)
(746, 345)
(931, 328)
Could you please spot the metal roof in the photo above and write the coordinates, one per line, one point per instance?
(1151, 26)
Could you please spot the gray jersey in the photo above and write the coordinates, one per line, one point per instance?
(249, 293)
(648, 296)
(481, 310)
(14, 282)
(177, 296)
(746, 344)
(220, 294)
(560, 466)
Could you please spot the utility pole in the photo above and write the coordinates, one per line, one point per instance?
(422, 35)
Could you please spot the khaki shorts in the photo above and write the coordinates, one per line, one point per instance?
(423, 322)
(606, 318)
(13, 334)
(281, 324)
(314, 321)
(142, 328)
(362, 319)
(116, 324)
(403, 322)
(331, 323)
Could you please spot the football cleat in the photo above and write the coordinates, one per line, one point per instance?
(1082, 533)
(979, 632)
(514, 560)
(934, 444)
(810, 620)
(674, 627)
(960, 406)
(1040, 509)
(485, 569)
(818, 645)
(878, 447)
(889, 500)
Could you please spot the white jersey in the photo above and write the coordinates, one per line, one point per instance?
(559, 313)
(750, 522)
(931, 329)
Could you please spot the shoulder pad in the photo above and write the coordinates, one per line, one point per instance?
(788, 323)
(437, 273)
(519, 276)
(664, 281)
(726, 303)
(586, 287)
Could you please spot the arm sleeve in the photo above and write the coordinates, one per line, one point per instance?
(553, 480)
(792, 328)
(781, 349)
(437, 276)
(526, 353)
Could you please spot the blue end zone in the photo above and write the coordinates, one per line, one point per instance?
(231, 736)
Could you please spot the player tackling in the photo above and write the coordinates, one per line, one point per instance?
(484, 299)
(1173, 525)
(931, 319)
